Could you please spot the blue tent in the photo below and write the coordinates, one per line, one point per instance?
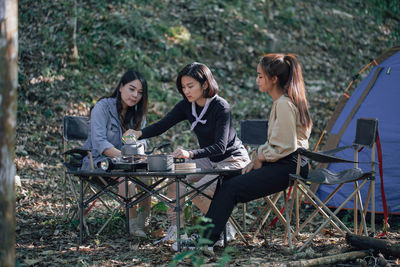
(377, 96)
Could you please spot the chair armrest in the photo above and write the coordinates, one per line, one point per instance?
(73, 158)
(336, 150)
(325, 176)
(322, 157)
(80, 151)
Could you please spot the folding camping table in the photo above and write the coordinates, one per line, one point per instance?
(154, 189)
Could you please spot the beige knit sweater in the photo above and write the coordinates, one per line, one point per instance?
(285, 132)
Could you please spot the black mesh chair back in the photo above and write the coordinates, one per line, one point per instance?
(75, 128)
(366, 132)
(254, 132)
(75, 131)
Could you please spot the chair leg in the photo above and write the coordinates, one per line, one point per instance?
(82, 221)
(101, 200)
(65, 182)
(295, 192)
(366, 206)
(110, 218)
(363, 223)
(297, 204)
(271, 204)
(325, 209)
(279, 215)
(76, 212)
(65, 195)
(317, 209)
(355, 209)
(373, 207)
(81, 214)
(75, 194)
(288, 232)
(370, 198)
(291, 204)
(372, 184)
(333, 215)
(237, 228)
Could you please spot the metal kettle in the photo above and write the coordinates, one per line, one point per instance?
(131, 147)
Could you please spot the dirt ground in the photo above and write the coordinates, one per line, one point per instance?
(44, 237)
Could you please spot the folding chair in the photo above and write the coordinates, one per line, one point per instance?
(365, 137)
(254, 132)
(75, 130)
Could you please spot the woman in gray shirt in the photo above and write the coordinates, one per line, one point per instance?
(110, 119)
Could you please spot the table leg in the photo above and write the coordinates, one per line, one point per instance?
(219, 184)
(178, 214)
(126, 205)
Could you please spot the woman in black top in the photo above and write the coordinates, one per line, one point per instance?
(210, 119)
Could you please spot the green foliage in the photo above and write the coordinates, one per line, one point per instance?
(196, 256)
(180, 33)
(160, 37)
(49, 222)
(289, 17)
(159, 207)
(97, 220)
(348, 218)
(188, 211)
(383, 10)
(226, 256)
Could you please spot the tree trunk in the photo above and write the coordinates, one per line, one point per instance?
(386, 247)
(73, 25)
(8, 108)
(328, 260)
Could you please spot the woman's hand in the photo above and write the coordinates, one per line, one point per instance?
(138, 134)
(112, 152)
(181, 153)
(257, 164)
(248, 168)
(254, 164)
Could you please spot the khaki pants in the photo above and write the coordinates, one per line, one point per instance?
(201, 201)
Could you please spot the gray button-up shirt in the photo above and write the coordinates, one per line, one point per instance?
(105, 131)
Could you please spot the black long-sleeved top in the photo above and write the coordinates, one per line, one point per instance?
(217, 137)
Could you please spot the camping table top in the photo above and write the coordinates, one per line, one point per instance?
(143, 173)
(154, 188)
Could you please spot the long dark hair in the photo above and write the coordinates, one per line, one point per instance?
(290, 78)
(200, 73)
(137, 112)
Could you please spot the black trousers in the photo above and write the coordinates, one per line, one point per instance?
(269, 179)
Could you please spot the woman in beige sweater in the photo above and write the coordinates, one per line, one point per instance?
(289, 128)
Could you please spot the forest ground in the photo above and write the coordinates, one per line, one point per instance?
(332, 39)
(45, 237)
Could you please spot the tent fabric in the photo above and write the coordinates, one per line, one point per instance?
(383, 103)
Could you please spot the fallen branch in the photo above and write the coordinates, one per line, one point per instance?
(329, 259)
(386, 247)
